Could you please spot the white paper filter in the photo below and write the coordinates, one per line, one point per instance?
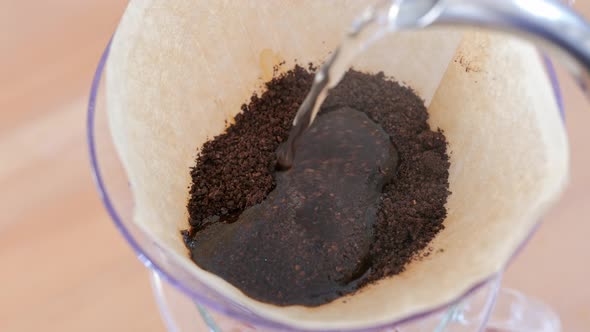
(178, 69)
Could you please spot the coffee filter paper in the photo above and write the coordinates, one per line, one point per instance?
(179, 69)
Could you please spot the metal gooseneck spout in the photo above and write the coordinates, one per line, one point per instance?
(550, 24)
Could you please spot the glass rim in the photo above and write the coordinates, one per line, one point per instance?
(152, 265)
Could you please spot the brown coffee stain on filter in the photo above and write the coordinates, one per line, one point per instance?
(475, 60)
(269, 63)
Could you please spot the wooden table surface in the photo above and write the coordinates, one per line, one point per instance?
(64, 267)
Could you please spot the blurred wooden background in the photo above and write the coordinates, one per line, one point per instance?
(64, 267)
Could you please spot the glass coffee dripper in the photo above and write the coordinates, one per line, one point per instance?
(197, 307)
(193, 309)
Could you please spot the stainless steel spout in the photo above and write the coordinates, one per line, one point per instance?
(550, 24)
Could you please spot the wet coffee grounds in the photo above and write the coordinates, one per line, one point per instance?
(311, 237)
(365, 195)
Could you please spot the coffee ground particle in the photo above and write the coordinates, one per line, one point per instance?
(236, 169)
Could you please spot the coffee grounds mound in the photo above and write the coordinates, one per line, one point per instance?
(236, 170)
